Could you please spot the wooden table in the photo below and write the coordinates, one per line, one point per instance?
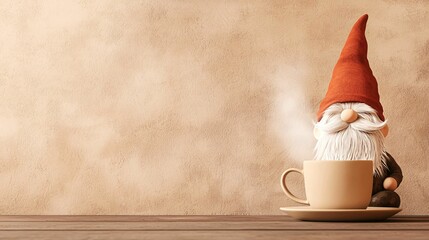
(206, 227)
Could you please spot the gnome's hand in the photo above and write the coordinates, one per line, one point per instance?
(390, 184)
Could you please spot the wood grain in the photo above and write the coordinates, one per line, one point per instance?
(262, 235)
(205, 227)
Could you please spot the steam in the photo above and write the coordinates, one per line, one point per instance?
(291, 115)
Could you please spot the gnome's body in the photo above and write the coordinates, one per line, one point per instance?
(351, 124)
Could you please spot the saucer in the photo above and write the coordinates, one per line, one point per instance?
(306, 213)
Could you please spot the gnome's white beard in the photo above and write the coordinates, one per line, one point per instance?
(359, 140)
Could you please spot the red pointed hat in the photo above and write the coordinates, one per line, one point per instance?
(352, 79)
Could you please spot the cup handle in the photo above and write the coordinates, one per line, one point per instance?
(286, 190)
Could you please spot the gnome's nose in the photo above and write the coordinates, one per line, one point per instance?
(349, 115)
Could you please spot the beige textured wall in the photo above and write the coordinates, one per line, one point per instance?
(190, 107)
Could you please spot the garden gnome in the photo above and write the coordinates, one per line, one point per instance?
(350, 121)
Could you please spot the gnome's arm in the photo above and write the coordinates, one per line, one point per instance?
(395, 173)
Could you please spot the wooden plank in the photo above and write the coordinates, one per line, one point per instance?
(215, 226)
(143, 218)
(228, 235)
(169, 218)
(206, 227)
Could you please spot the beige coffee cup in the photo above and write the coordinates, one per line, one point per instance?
(335, 184)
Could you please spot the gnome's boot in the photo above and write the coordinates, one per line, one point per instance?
(385, 199)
